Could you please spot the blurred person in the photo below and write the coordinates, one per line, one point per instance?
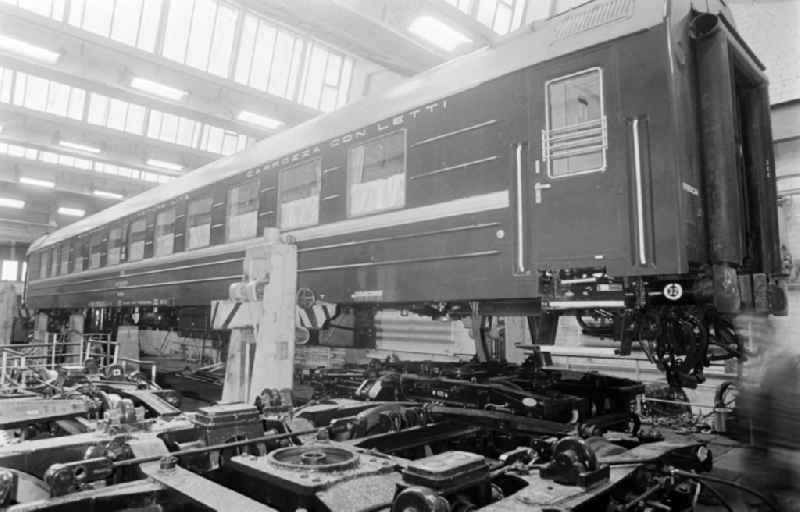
(770, 401)
(790, 267)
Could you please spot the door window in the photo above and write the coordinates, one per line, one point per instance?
(575, 138)
(298, 189)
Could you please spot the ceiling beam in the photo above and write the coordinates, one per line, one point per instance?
(22, 231)
(112, 142)
(67, 180)
(44, 132)
(88, 79)
(342, 24)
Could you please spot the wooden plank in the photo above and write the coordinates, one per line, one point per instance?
(202, 490)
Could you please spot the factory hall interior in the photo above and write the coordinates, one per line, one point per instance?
(400, 255)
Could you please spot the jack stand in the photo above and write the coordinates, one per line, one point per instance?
(260, 313)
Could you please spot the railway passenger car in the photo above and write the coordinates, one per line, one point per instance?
(616, 156)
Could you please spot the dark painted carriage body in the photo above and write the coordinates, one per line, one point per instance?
(482, 217)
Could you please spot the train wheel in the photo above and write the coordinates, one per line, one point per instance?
(543, 328)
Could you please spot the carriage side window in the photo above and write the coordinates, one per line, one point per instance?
(65, 258)
(44, 265)
(242, 211)
(575, 139)
(298, 195)
(54, 260)
(198, 223)
(136, 239)
(78, 259)
(114, 246)
(95, 250)
(376, 175)
(165, 233)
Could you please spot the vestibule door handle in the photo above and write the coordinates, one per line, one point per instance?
(537, 189)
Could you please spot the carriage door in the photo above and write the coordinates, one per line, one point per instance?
(573, 197)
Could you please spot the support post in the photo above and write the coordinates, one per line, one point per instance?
(261, 315)
(76, 321)
(8, 306)
(40, 331)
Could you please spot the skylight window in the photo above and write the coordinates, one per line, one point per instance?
(259, 120)
(116, 114)
(275, 60)
(26, 49)
(503, 16)
(204, 34)
(158, 89)
(194, 134)
(200, 34)
(326, 79)
(50, 8)
(18, 151)
(438, 33)
(131, 22)
(43, 95)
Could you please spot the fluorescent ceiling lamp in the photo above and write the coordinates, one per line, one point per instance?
(12, 203)
(152, 162)
(259, 120)
(106, 195)
(25, 49)
(36, 182)
(158, 89)
(437, 33)
(71, 212)
(79, 147)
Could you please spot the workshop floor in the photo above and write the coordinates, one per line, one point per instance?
(732, 460)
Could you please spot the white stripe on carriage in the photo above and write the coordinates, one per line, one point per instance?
(463, 206)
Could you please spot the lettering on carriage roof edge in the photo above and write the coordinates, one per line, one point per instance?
(364, 133)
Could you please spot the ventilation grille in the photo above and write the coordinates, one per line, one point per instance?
(600, 13)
